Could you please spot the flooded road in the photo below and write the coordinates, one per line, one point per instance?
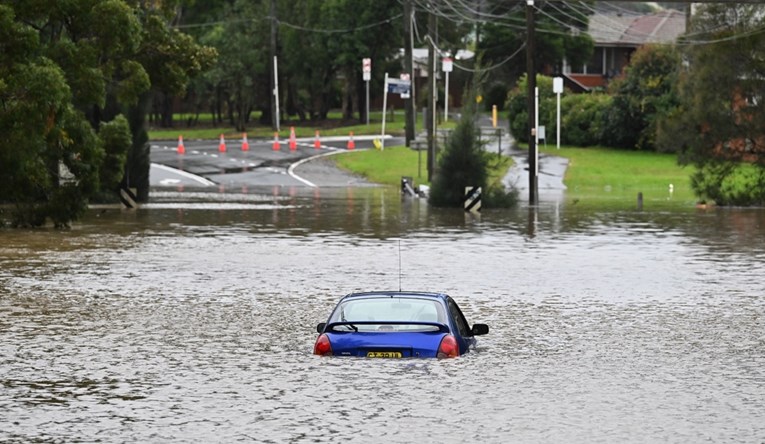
(193, 320)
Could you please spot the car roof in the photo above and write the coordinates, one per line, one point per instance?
(395, 294)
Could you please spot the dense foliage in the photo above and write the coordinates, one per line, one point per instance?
(627, 117)
(643, 97)
(560, 31)
(464, 163)
(68, 70)
(320, 45)
(719, 124)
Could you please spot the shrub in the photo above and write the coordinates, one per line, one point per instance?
(583, 119)
(464, 163)
(729, 183)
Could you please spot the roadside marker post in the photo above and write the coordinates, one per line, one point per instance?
(473, 199)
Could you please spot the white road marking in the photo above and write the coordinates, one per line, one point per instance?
(185, 174)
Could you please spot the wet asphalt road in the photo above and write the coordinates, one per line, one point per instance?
(203, 163)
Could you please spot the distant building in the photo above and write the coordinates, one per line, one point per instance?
(616, 38)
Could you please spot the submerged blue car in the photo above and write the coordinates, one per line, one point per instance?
(395, 324)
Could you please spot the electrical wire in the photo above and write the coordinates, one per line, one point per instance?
(465, 11)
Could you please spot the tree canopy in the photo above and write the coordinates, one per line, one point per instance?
(560, 33)
(67, 68)
(718, 126)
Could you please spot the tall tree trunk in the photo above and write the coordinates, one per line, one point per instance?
(138, 160)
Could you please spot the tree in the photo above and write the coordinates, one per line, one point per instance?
(321, 44)
(644, 96)
(718, 126)
(67, 68)
(560, 30)
(464, 163)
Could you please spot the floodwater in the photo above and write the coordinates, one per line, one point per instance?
(193, 320)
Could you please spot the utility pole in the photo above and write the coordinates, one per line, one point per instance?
(432, 94)
(409, 109)
(274, 80)
(531, 81)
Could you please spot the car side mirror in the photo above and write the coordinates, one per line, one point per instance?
(320, 327)
(480, 329)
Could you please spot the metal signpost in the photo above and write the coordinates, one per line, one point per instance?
(558, 89)
(446, 67)
(366, 69)
(406, 78)
(393, 86)
(276, 92)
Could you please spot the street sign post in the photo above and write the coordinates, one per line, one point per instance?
(558, 89)
(366, 70)
(405, 77)
(446, 67)
(394, 86)
(398, 86)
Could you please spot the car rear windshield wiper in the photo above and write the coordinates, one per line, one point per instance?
(342, 318)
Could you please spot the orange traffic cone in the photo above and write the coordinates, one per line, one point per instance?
(276, 145)
(293, 141)
(316, 141)
(351, 143)
(222, 144)
(245, 143)
(181, 149)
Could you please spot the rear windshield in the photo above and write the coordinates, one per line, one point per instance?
(390, 309)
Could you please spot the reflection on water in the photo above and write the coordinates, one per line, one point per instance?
(194, 320)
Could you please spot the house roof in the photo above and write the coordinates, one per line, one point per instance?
(636, 30)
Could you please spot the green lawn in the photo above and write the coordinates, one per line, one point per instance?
(388, 166)
(600, 177)
(609, 175)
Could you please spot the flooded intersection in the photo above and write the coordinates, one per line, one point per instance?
(194, 321)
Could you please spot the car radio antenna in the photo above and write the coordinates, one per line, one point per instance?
(399, 265)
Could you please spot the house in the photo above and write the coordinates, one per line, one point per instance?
(616, 38)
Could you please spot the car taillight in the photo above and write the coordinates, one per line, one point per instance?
(448, 348)
(322, 346)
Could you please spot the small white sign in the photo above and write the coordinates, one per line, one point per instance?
(447, 64)
(557, 85)
(406, 78)
(366, 65)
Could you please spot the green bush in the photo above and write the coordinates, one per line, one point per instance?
(584, 119)
(463, 164)
(518, 108)
(730, 183)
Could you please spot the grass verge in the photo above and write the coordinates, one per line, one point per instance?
(604, 175)
(388, 166)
